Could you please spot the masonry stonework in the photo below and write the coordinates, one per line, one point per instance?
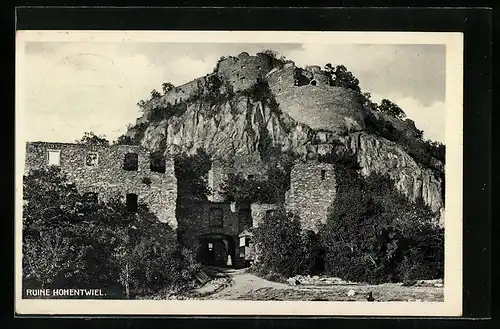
(244, 71)
(312, 190)
(320, 106)
(108, 177)
(260, 210)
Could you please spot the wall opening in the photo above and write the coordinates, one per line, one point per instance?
(131, 162)
(132, 202)
(91, 159)
(313, 82)
(157, 163)
(216, 219)
(323, 174)
(54, 158)
(244, 219)
(217, 250)
(250, 177)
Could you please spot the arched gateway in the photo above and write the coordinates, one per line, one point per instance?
(216, 249)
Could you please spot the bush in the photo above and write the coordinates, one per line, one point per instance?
(191, 172)
(159, 113)
(166, 87)
(423, 152)
(284, 249)
(374, 234)
(341, 77)
(386, 106)
(92, 139)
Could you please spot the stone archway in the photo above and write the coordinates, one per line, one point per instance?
(216, 249)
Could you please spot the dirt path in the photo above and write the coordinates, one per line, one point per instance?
(243, 284)
(247, 286)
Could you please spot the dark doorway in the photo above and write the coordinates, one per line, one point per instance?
(132, 202)
(216, 250)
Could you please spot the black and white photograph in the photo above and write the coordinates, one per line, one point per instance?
(238, 172)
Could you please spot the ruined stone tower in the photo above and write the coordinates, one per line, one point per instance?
(312, 189)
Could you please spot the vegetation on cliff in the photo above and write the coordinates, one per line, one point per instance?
(375, 234)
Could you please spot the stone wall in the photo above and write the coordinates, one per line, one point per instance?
(312, 190)
(259, 211)
(321, 107)
(194, 221)
(178, 94)
(108, 178)
(243, 71)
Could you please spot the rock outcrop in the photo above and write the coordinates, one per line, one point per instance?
(304, 119)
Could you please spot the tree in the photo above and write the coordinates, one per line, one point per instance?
(142, 105)
(125, 140)
(284, 248)
(166, 87)
(155, 94)
(388, 107)
(375, 234)
(49, 255)
(341, 77)
(92, 139)
(191, 172)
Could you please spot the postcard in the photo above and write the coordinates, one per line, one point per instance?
(239, 173)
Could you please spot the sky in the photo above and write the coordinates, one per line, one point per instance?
(73, 87)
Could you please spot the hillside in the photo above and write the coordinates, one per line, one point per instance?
(250, 104)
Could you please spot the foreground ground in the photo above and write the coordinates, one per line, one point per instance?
(242, 285)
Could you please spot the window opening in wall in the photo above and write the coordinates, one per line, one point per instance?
(210, 246)
(244, 219)
(313, 82)
(131, 162)
(54, 157)
(91, 159)
(91, 197)
(216, 218)
(250, 177)
(157, 163)
(132, 202)
(242, 241)
(323, 174)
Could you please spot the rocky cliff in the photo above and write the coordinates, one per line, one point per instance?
(229, 117)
